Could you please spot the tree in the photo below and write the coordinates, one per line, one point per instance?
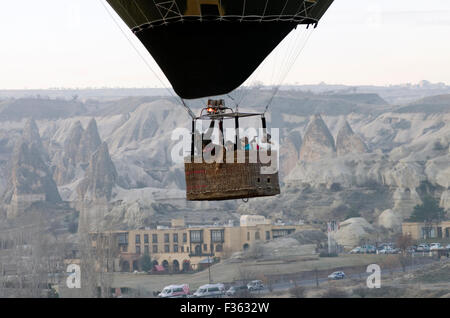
(146, 262)
(428, 212)
(404, 241)
(297, 291)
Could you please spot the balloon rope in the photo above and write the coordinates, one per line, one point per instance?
(292, 60)
(145, 61)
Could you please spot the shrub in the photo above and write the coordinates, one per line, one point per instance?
(334, 292)
(326, 254)
(297, 292)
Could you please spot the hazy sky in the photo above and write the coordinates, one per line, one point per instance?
(74, 43)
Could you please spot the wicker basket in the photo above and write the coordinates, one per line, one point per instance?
(230, 180)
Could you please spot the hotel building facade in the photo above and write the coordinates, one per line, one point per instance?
(184, 248)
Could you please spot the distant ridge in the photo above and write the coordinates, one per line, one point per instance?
(431, 104)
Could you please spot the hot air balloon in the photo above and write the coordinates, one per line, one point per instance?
(209, 48)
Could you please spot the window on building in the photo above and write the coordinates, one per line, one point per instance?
(175, 248)
(155, 248)
(219, 248)
(138, 239)
(125, 248)
(182, 249)
(175, 237)
(281, 232)
(138, 249)
(184, 237)
(146, 250)
(267, 235)
(197, 236)
(155, 238)
(217, 236)
(205, 247)
(166, 238)
(123, 238)
(146, 238)
(167, 248)
(428, 232)
(257, 236)
(248, 236)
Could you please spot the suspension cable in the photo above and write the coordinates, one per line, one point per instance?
(291, 60)
(177, 100)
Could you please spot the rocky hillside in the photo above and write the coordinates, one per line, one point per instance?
(341, 156)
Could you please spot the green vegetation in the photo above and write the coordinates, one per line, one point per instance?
(146, 263)
(353, 213)
(72, 222)
(428, 212)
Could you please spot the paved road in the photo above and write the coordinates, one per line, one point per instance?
(284, 286)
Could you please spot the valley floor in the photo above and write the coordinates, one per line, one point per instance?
(283, 274)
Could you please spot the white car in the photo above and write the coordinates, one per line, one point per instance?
(175, 291)
(210, 291)
(356, 250)
(423, 248)
(255, 285)
(435, 246)
(388, 250)
(337, 275)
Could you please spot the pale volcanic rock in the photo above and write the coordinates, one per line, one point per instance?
(348, 142)
(73, 142)
(100, 178)
(318, 143)
(289, 152)
(89, 142)
(31, 179)
(352, 231)
(31, 133)
(445, 200)
(66, 166)
(407, 175)
(438, 171)
(405, 200)
(390, 220)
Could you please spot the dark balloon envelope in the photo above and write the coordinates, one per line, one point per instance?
(210, 47)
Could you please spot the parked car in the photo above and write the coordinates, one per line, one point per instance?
(337, 275)
(384, 246)
(435, 246)
(356, 250)
(255, 285)
(411, 249)
(389, 250)
(368, 249)
(175, 291)
(423, 248)
(236, 290)
(210, 291)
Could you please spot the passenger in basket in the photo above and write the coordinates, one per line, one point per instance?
(246, 145)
